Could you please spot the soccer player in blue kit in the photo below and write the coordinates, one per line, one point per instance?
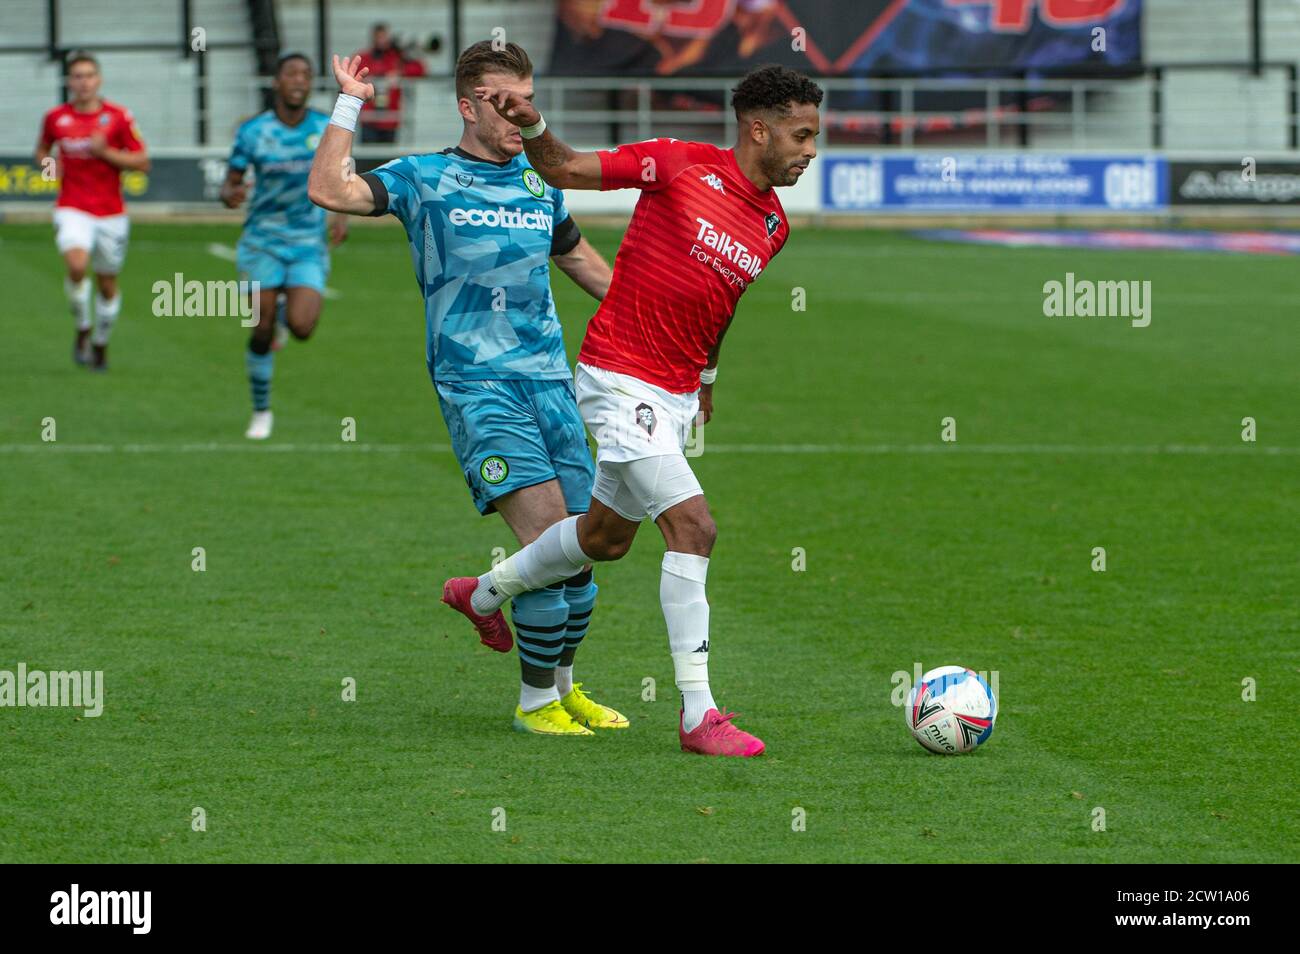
(482, 227)
(282, 247)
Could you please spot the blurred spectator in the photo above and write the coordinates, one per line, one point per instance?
(388, 65)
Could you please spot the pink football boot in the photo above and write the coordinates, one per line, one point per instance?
(493, 631)
(716, 735)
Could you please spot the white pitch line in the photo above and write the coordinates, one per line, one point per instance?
(228, 254)
(1008, 450)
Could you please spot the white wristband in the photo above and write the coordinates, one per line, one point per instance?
(346, 109)
(535, 130)
(709, 375)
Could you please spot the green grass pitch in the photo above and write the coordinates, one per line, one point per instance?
(1120, 690)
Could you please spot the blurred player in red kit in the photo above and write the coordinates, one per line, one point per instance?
(706, 225)
(96, 141)
(382, 116)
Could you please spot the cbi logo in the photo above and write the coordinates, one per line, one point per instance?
(1131, 185)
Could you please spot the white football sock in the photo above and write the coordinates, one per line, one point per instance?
(106, 310)
(686, 611)
(552, 557)
(563, 680)
(695, 705)
(531, 698)
(79, 300)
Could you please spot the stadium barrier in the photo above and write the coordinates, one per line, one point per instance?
(839, 183)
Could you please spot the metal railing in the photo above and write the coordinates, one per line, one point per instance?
(1151, 110)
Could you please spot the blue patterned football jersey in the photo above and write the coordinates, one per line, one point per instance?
(280, 156)
(481, 235)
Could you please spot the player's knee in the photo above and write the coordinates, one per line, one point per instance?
(690, 532)
(301, 330)
(703, 533)
(606, 546)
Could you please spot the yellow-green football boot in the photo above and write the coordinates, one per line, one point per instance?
(585, 711)
(550, 719)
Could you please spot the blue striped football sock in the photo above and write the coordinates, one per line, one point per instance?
(539, 617)
(260, 367)
(580, 594)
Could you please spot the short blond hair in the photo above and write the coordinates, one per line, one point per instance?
(483, 57)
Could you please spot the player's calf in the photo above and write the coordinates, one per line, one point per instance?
(108, 305)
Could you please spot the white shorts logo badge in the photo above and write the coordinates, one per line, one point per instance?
(645, 417)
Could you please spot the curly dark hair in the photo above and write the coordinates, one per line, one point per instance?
(773, 87)
(288, 58)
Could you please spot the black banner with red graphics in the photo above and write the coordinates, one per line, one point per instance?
(846, 37)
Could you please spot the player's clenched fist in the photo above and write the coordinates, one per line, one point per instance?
(233, 194)
(511, 106)
(350, 75)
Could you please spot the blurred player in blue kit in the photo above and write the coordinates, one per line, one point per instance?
(282, 247)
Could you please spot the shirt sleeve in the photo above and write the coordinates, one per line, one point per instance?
(564, 231)
(241, 153)
(649, 165)
(400, 181)
(128, 135)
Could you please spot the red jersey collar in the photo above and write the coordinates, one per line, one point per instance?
(752, 189)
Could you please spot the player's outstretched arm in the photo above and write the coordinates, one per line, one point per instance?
(557, 163)
(333, 182)
(587, 268)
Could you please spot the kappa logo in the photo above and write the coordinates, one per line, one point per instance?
(645, 418)
(704, 647)
(773, 222)
(713, 182)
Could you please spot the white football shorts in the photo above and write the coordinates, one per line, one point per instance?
(640, 431)
(104, 237)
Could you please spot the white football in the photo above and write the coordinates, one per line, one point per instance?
(952, 710)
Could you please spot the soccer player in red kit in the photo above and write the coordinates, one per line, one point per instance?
(97, 140)
(706, 225)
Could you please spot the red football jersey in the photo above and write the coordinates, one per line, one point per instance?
(700, 234)
(89, 183)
